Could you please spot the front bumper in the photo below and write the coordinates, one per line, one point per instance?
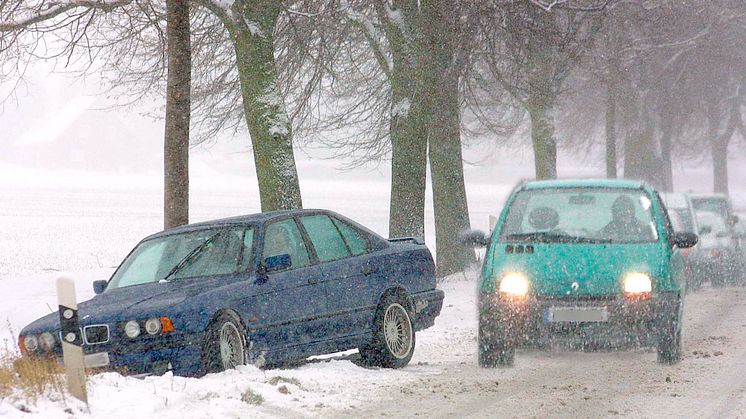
(147, 355)
(530, 322)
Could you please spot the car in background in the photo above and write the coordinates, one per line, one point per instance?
(717, 203)
(717, 260)
(586, 263)
(681, 213)
(265, 289)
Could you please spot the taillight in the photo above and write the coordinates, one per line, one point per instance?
(714, 253)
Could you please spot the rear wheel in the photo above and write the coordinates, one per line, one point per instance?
(393, 335)
(224, 346)
(669, 332)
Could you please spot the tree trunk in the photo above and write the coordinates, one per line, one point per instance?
(265, 113)
(611, 86)
(542, 137)
(666, 168)
(408, 130)
(719, 150)
(440, 78)
(408, 172)
(176, 139)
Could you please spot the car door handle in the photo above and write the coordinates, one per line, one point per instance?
(313, 280)
(369, 269)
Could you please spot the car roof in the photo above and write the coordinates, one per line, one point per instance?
(585, 183)
(708, 196)
(257, 218)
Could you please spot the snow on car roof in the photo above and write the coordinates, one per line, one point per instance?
(584, 183)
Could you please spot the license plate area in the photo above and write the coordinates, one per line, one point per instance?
(96, 360)
(576, 314)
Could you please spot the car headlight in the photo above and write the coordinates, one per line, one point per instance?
(46, 341)
(514, 285)
(153, 326)
(132, 329)
(637, 283)
(31, 342)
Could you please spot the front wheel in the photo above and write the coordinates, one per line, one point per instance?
(224, 346)
(393, 335)
(669, 332)
(495, 349)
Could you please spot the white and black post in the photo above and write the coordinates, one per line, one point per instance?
(72, 339)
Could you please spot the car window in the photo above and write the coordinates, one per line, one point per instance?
(356, 240)
(196, 253)
(141, 266)
(325, 237)
(248, 249)
(581, 215)
(284, 238)
(715, 204)
(219, 257)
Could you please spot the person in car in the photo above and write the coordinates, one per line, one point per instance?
(624, 225)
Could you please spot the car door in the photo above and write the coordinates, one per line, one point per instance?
(347, 273)
(288, 303)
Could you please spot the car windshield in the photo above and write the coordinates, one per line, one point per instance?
(580, 215)
(195, 254)
(714, 204)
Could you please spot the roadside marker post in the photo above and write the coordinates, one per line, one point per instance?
(72, 339)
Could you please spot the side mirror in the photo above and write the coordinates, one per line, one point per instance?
(733, 220)
(277, 263)
(684, 240)
(705, 230)
(99, 286)
(474, 238)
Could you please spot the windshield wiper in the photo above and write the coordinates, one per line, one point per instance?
(554, 237)
(190, 256)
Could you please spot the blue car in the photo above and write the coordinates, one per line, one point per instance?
(264, 289)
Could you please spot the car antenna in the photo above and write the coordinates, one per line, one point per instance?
(50, 308)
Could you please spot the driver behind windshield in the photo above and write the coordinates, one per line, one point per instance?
(624, 225)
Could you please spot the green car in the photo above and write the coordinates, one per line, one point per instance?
(582, 264)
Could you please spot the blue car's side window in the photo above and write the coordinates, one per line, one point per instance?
(356, 240)
(284, 238)
(325, 238)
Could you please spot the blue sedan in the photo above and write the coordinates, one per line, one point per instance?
(264, 289)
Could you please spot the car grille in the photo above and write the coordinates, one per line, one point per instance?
(96, 334)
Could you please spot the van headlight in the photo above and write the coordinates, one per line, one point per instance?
(637, 284)
(514, 286)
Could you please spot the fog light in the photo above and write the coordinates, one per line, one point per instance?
(132, 329)
(153, 326)
(514, 286)
(46, 341)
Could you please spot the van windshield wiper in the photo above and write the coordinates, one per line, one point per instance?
(191, 256)
(554, 237)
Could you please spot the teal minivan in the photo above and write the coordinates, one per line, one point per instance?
(584, 263)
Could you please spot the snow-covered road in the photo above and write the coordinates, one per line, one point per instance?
(443, 379)
(710, 381)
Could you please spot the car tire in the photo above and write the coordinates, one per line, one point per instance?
(224, 346)
(393, 340)
(495, 349)
(669, 332)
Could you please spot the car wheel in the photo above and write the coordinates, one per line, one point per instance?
(393, 335)
(669, 332)
(494, 350)
(224, 346)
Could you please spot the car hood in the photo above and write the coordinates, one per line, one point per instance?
(125, 303)
(564, 269)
